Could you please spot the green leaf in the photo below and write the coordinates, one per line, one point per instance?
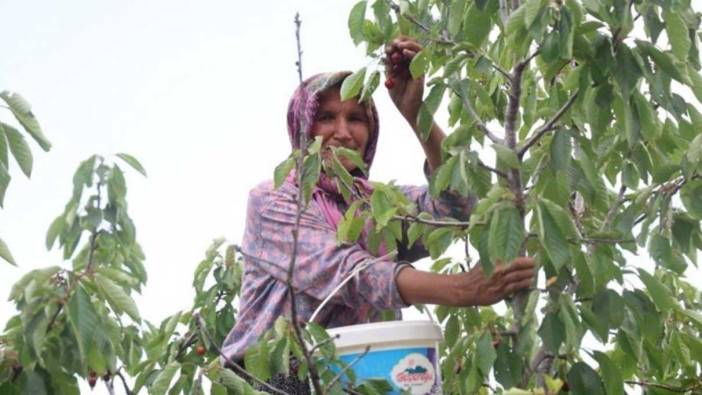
(257, 360)
(163, 381)
(477, 25)
(281, 171)
(370, 86)
(506, 156)
(583, 380)
(83, 318)
(678, 35)
(356, 18)
(553, 229)
(133, 162)
(690, 195)
(561, 151)
(659, 293)
(312, 168)
(118, 298)
(352, 84)
(627, 72)
(665, 62)
(485, 354)
(611, 375)
(442, 176)
(4, 153)
(4, 182)
(532, 10)
(420, 64)
(353, 156)
(630, 175)
(438, 241)
(5, 253)
(608, 306)
(23, 112)
(552, 332)
(456, 11)
(20, 149)
(453, 327)
(55, 229)
(506, 234)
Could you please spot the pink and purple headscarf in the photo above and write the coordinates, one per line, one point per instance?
(303, 108)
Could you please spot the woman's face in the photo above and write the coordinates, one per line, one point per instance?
(341, 124)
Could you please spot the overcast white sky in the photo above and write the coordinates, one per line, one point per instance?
(196, 90)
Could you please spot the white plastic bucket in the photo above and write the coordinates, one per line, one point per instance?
(405, 353)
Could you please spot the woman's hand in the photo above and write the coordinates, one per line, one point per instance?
(404, 91)
(472, 288)
(477, 289)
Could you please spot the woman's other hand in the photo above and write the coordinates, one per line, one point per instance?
(404, 91)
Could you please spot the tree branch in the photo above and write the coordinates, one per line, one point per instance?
(664, 386)
(433, 222)
(299, 165)
(492, 169)
(127, 390)
(548, 126)
(346, 369)
(231, 364)
(476, 119)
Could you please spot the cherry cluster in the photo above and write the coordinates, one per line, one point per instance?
(399, 67)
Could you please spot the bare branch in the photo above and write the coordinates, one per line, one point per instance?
(664, 386)
(299, 167)
(324, 343)
(199, 322)
(548, 126)
(492, 169)
(433, 222)
(613, 210)
(346, 369)
(476, 119)
(127, 390)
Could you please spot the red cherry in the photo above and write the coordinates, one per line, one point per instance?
(200, 350)
(389, 83)
(91, 381)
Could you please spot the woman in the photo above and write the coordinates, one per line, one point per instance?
(321, 264)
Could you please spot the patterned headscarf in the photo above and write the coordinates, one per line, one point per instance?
(303, 109)
(305, 102)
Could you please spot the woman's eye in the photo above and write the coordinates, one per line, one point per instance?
(325, 117)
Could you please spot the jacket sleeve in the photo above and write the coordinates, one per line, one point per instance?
(320, 264)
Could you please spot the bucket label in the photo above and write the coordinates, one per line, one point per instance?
(414, 373)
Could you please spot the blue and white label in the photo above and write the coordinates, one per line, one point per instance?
(412, 370)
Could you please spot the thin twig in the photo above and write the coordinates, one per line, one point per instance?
(664, 386)
(613, 210)
(324, 343)
(433, 222)
(346, 369)
(548, 126)
(109, 386)
(299, 168)
(468, 106)
(93, 247)
(127, 390)
(199, 322)
(492, 169)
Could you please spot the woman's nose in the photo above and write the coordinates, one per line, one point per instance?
(342, 130)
